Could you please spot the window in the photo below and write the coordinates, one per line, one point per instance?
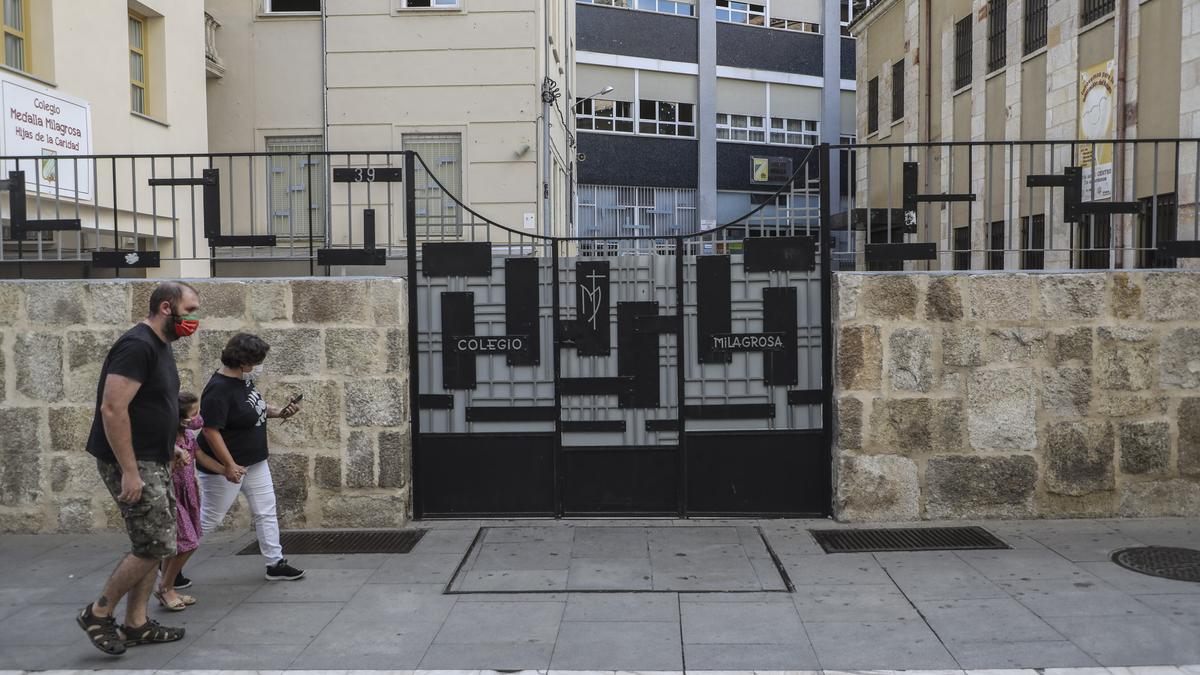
(1093, 10)
(666, 118)
(741, 128)
(847, 139)
(962, 248)
(898, 90)
(873, 105)
(1094, 234)
(296, 183)
(1035, 25)
(679, 7)
(995, 254)
(733, 11)
(1033, 242)
(997, 34)
(599, 114)
(138, 66)
(962, 53)
(429, 4)
(1156, 224)
(442, 153)
(794, 132)
(293, 6)
(16, 34)
(847, 17)
(799, 26)
(611, 210)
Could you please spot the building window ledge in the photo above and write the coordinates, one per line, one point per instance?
(966, 88)
(1035, 53)
(285, 16)
(31, 76)
(150, 118)
(896, 123)
(1097, 22)
(999, 71)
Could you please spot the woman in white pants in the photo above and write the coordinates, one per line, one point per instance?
(235, 434)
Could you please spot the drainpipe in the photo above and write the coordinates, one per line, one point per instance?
(1122, 122)
(547, 207)
(324, 81)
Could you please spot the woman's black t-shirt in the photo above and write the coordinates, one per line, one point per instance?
(235, 408)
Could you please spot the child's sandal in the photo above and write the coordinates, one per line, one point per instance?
(176, 605)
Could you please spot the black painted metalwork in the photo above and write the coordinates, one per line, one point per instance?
(457, 259)
(521, 305)
(907, 539)
(344, 542)
(780, 366)
(435, 401)
(781, 254)
(458, 318)
(899, 251)
(1168, 562)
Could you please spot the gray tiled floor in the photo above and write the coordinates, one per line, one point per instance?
(1053, 601)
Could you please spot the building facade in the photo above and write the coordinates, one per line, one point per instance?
(689, 114)
(1083, 83)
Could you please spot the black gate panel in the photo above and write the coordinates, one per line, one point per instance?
(636, 480)
(748, 473)
(485, 474)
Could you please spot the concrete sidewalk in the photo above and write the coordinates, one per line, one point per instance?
(1053, 601)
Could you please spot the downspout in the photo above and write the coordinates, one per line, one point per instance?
(324, 82)
(926, 55)
(1122, 121)
(547, 207)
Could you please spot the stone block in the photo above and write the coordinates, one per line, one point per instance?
(1145, 447)
(980, 487)
(289, 473)
(70, 427)
(914, 426)
(375, 402)
(1091, 505)
(75, 515)
(1002, 409)
(1189, 436)
(1180, 359)
(366, 510)
(1127, 404)
(294, 351)
(877, 488)
(1126, 296)
(849, 422)
(3, 370)
(847, 287)
(21, 521)
(943, 299)
(222, 299)
(354, 351)
(329, 301)
(75, 473)
(139, 299)
(20, 456)
(1171, 296)
(1125, 358)
(910, 359)
(212, 341)
(1074, 344)
(1079, 457)
(56, 303)
(1072, 296)
(1161, 499)
(1066, 392)
(395, 455)
(10, 303)
(89, 347)
(319, 422)
(1000, 297)
(889, 296)
(38, 360)
(327, 472)
(397, 350)
(360, 460)
(1015, 345)
(962, 346)
(108, 302)
(859, 358)
(267, 301)
(387, 297)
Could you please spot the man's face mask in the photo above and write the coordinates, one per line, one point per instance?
(184, 325)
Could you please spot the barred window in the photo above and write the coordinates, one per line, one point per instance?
(1033, 242)
(733, 11)
(995, 254)
(1156, 224)
(297, 186)
(436, 211)
(795, 132)
(1093, 10)
(962, 53)
(599, 114)
(666, 118)
(898, 90)
(997, 34)
(873, 105)
(741, 128)
(962, 248)
(1035, 25)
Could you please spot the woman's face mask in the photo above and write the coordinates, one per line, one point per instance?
(253, 374)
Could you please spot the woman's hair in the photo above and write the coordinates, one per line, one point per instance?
(186, 400)
(244, 349)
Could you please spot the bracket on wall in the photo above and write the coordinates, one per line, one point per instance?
(18, 216)
(1074, 208)
(367, 255)
(210, 181)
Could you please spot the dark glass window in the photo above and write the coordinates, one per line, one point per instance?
(1158, 223)
(1094, 234)
(1096, 9)
(873, 105)
(995, 255)
(962, 248)
(962, 52)
(898, 90)
(294, 5)
(1033, 242)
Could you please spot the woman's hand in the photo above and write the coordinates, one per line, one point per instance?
(234, 473)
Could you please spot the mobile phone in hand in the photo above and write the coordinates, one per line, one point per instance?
(296, 399)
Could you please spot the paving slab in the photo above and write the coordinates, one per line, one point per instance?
(639, 607)
(869, 602)
(1035, 654)
(788, 658)
(1070, 597)
(758, 623)
(502, 623)
(985, 620)
(901, 645)
(1118, 641)
(626, 645)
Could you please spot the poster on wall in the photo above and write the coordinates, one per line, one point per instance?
(1097, 111)
(46, 127)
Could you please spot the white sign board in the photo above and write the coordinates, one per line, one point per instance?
(46, 126)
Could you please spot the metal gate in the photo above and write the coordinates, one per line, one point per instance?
(657, 373)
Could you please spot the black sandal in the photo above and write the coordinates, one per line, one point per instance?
(150, 632)
(102, 631)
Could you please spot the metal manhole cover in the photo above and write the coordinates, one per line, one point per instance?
(344, 542)
(906, 539)
(1180, 564)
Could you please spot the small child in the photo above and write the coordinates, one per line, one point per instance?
(187, 500)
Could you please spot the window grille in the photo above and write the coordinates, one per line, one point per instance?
(995, 256)
(1096, 9)
(962, 53)
(1094, 237)
(297, 187)
(997, 34)
(1033, 242)
(873, 105)
(1035, 25)
(798, 26)
(618, 210)
(436, 211)
(1156, 224)
(898, 90)
(293, 6)
(962, 248)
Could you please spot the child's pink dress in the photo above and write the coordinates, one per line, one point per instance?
(187, 499)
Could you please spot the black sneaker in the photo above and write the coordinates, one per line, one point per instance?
(282, 571)
(182, 582)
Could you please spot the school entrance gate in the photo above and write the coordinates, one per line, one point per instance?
(621, 373)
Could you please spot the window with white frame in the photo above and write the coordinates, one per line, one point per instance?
(666, 118)
(430, 4)
(794, 132)
(749, 128)
(296, 183)
(617, 210)
(798, 26)
(847, 17)
(733, 11)
(292, 6)
(442, 153)
(678, 7)
(599, 114)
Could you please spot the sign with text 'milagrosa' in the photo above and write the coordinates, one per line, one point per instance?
(47, 127)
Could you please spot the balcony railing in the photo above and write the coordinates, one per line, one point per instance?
(212, 60)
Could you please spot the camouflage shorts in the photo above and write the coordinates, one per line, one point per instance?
(150, 522)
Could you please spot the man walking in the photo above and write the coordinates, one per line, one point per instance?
(132, 438)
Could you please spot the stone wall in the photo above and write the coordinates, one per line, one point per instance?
(343, 461)
(1009, 395)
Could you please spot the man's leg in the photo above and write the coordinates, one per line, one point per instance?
(130, 571)
(139, 597)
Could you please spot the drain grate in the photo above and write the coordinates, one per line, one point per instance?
(344, 542)
(1180, 564)
(906, 539)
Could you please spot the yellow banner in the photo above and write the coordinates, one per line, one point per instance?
(1097, 113)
